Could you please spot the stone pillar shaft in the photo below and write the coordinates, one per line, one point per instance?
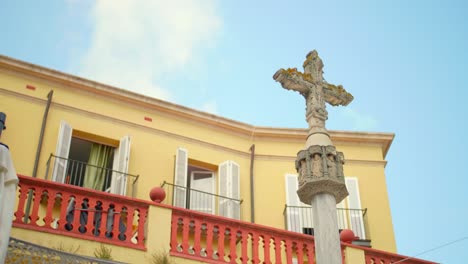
(322, 185)
(327, 238)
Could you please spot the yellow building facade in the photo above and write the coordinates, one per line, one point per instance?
(204, 162)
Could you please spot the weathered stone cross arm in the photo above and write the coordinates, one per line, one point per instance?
(292, 79)
(312, 81)
(336, 94)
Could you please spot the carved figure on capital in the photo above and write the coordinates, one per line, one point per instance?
(339, 161)
(302, 167)
(317, 170)
(331, 165)
(315, 152)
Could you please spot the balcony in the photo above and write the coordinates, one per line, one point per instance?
(201, 201)
(76, 171)
(215, 239)
(79, 212)
(139, 227)
(299, 219)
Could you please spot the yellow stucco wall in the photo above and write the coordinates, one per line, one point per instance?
(354, 256)
(154, 147)
(158, 239)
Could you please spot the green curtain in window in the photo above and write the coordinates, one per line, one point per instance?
(96, 171)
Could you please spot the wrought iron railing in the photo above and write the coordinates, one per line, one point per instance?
(300, 219)
(76, 170)
(20, 251)
(201, 201)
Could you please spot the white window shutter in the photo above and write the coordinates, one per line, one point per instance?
(341, 215)
(234, 210)
(120, 167)
(61, 151)
(180, 178)
(293, 213)
(223, 182)
(354, 206)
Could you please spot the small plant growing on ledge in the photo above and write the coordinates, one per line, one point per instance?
(103, 252)
(71, 249)
(161, 257)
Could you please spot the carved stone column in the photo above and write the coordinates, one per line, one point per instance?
(322, 184)
(319, 165)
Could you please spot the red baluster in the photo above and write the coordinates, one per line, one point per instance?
(244, 242)
(288, 245)
(300, 252)
(104, 232)
(221, 230)
(66, 201)
(196, 242)
(266, 249)
(310, 252)
(129, 223)
(36, 199)
(116, 221)
(209, 240)
(232, 246)
(174, 227)
(77, 214)
(91, 211)
(48, 219)
(185, 234)
(24, 189)
(278, 250)
(255, 245)
(141, 226)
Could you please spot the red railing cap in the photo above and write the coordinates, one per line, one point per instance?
(81, 190)
(386, 254)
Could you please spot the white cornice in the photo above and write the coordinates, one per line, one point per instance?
(71, 81)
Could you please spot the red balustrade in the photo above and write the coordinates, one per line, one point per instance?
(83, 213)
(218, 239)
(374, 256)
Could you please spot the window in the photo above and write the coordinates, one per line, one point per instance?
(299, 216)
(99, 165)
(201, 181)
(89, 164)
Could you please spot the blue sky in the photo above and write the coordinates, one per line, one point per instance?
(404, 61)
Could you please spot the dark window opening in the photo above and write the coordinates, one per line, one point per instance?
(90, 164)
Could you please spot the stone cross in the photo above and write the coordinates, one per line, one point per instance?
(315, 90)
(319, 165)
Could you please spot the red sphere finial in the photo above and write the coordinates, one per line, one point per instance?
(157, 194)
(347, 236)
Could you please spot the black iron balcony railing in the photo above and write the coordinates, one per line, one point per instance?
(299, 219)
(201, 201)
(76, 170)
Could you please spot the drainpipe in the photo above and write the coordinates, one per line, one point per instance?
(38, 154)
(41, 136)
(252, 196)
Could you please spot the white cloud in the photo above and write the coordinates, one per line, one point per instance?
(210, 107)
(360, 121)
(135, 42)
